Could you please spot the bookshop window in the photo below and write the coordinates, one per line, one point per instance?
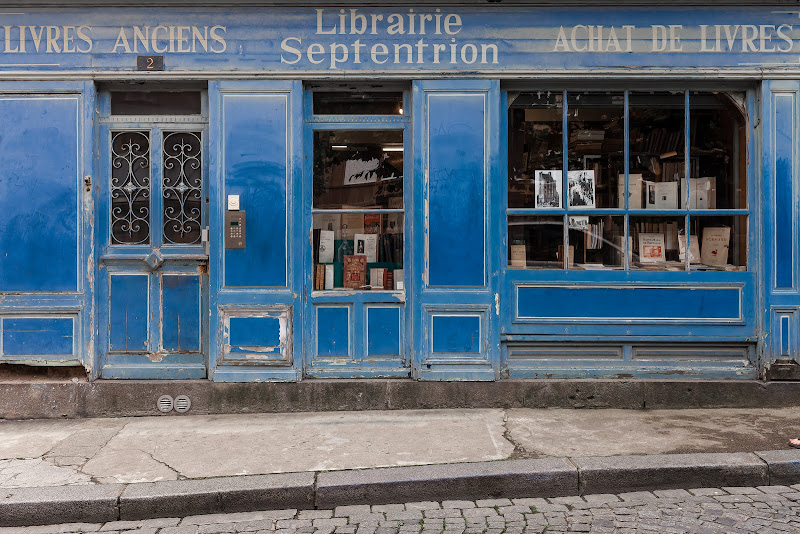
(358, 216)
(579, 198)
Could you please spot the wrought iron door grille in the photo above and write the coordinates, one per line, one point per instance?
(130, 188)
(182, 191)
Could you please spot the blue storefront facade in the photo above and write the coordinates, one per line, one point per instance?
(452, 191)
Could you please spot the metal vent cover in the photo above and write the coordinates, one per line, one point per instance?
(165, 403)
(182, 404)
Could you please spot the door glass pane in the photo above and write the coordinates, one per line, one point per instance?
(358, 169)
(597, 241)
(358, 103)
(536, 242)
(130, 188)
(718, 141)
(596, 123)
(155, 102)
(657, 163)
(182, 187)
(722, 242)
(535, 149)
(659, 243)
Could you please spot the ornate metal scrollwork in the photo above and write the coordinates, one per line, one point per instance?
(130, 188)
(182, 187)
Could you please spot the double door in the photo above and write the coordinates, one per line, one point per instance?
(152, 238)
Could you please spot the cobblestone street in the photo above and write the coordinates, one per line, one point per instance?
(765, 510)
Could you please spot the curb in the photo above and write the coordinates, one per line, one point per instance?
(549, 477)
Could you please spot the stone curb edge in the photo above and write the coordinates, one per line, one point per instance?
(549, 477)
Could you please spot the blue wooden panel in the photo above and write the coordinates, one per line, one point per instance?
(456, 189)
(784, 189)
(629, 303)
(180, 301)
(333, 331)
(247, 332)
(38, 194)
(128, 313)
(383, 331)
(255, 151)
(456, 333)
(37, 336)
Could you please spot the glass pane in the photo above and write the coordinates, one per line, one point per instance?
(358, 169)
(535, 150)
(718, 142)
(155, 103)
(596, 124)
(722, 242)
(657, 161)
(358, 103)
(597, 241)
(130, 188)
(344, 241)
(182, 190)
(658, 243)
(536, 242)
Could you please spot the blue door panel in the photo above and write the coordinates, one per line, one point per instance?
(255, 168)
(456, 334)
(383, 331)
(456, 189)
(37, 336)
(678, 304)
(785, 226)
(38, 193)
(180, 324)
(333, 331)
(245, 333)
(128, 309)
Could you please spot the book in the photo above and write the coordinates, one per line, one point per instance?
(355, 271)
(662, 195)
(399, 279)
(518, 256)
(326, 248)
(352, 224)
(319, 276)
(394, 223)
(634, 191)
(651, 248)
(329, 274)
(377, 277)
(372, 223)
(694, 248)
(715, 245)
(702, 192)
(329, 221)
(367, 244)
(580, 188)
(547, 185)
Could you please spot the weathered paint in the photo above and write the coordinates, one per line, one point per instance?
(496, 40)
(259, 146)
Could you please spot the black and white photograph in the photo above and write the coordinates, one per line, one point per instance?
(548, 188)
(581, 189)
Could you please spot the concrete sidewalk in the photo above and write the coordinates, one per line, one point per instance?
(141, 467)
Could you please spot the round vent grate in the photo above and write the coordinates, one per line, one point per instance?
(165, 403)
(182, 404)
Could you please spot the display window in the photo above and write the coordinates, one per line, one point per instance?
(627, 180)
